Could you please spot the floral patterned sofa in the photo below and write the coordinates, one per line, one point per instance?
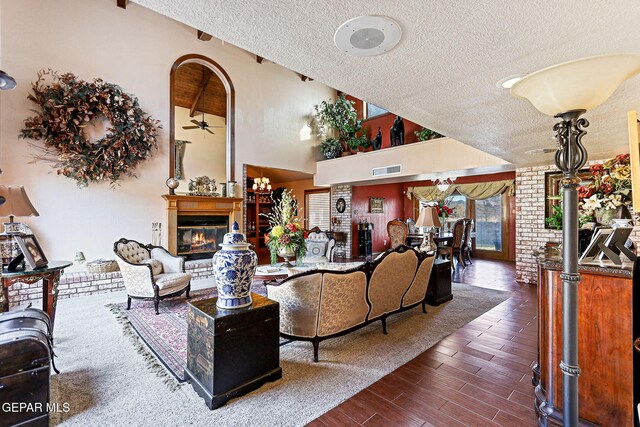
(320, 304)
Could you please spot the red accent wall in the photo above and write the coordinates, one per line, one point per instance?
(397, 205)
(393, 208)
(385, 122)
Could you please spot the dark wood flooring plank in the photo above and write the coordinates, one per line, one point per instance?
(478, 376)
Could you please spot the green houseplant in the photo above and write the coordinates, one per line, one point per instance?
(341, 116)
(330, 148)
(426, 134)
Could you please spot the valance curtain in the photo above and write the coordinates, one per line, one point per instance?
(477, 191)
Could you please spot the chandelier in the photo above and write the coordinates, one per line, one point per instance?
(443, 184)
(261, 185)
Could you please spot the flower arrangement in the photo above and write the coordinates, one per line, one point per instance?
(442, 209)
(286, 232)
(66, 106)
(609, 190)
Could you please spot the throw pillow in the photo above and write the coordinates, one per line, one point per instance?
(156, 266)
(316, 249)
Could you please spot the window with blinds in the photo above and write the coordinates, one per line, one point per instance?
(318, 210)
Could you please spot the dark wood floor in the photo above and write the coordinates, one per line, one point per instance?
(478, 376)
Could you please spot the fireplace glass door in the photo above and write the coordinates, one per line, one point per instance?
(204, 239)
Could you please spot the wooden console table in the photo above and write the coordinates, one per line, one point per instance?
(608, 322)
(50, 276)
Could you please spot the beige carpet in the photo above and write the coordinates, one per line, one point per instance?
(106, 381)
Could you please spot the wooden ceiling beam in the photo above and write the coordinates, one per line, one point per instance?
(204, 36)
(203, 86)
(122, 3)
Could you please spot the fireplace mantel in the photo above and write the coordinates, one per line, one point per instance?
(179, 205)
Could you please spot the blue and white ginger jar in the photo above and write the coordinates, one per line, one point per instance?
(234, 267)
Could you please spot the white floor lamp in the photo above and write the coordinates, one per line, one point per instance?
(566, 91)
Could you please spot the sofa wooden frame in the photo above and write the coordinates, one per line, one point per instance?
(368, 268)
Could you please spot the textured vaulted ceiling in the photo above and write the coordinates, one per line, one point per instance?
(443, 73)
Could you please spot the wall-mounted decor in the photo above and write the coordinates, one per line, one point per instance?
(376, 204)
(181, 146)
(341, 205)
(67, 106)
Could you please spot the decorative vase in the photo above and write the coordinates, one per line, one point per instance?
(234, 267)
(288, 255)
(617, 223)
(332, 154)
(604, 216)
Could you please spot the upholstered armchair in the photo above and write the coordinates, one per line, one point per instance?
(320, 248)
(150, 272)
(397, 231)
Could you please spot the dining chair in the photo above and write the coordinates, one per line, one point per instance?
(397, 231)
(454, 251)
(467, 245)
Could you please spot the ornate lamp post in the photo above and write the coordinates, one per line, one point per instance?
(566, 91)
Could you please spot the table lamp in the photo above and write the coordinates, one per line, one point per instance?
(14, 202)
(428, 218)
(566, 91)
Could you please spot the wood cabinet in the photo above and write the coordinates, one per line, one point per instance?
(256, 225)
(439, 289)
(607, 325)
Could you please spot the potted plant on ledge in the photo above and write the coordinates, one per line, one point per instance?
(343, 119)
(331, 148)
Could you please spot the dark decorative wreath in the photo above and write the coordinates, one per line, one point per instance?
(67, 106)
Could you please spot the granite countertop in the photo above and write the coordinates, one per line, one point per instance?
(551, 259)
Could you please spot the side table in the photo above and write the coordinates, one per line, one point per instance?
(232, 352)
(50, 276)
(439, 288)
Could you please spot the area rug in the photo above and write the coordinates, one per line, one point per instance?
(108, 381)
(165, 334)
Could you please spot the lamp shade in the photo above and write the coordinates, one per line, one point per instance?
(16, 202)
(6, 81)
(428, 218)
(582, 84)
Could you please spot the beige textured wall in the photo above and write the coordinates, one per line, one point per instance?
(134, 48)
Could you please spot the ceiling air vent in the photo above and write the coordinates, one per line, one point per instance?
(387, 170)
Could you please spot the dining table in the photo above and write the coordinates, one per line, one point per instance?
(441, 239)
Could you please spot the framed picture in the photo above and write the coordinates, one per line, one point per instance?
(552, 189)
(376, 204)
(32, 251)
(341, 205)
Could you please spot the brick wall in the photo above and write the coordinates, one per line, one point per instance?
(530, 215)
(343, 219)
(530, 231)
(83, 283)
